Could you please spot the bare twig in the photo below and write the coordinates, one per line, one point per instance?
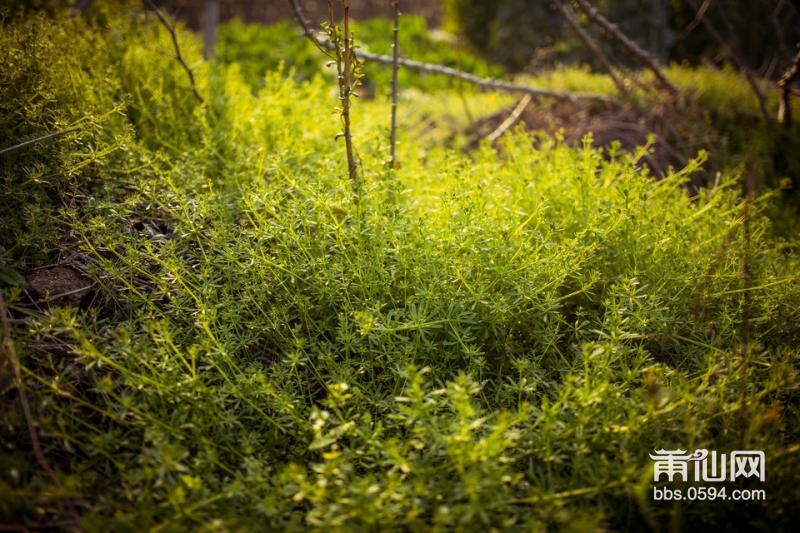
(736, 49)
(631, 47)
(418, 66)
(499, 85)
(785, 85)
(324, 46)
(178, 55)
(37, 140)
(586, 39)
(63, 294)
(10, 354)
(773, 17)
(395, 68)
(698, 18)
(734, 54)
(512, 118)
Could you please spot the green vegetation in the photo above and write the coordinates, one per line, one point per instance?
(500, 348)
(259, 49)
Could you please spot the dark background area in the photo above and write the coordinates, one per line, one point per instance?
(191, 11)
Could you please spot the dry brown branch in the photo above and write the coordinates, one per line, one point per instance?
(785, 85)
(586, 39)
(511, 120)
(395, 68)
(178, 55)
(630, 46)
(10, 355)
(418, 66)
(37, 140)
(499, 85)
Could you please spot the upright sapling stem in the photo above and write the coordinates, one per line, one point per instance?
(346, 65)
(348, 70)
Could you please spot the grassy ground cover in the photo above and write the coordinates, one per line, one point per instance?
(260, 348)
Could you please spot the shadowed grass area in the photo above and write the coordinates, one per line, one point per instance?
(500, 348)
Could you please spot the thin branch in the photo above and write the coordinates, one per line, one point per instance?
(37, 140)
(698, 18)
(773, 17)
(395, 68)
(344, 76)
(785, 85)
(10, 354)
(631, 47)
(324, 46)
(511, 120)
(63, 294)
(178, 55)
(488, 83)
(587, 41)
(418, 66)
(735, 54)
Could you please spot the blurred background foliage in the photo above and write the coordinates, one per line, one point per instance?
(511, 31)
(519, 34)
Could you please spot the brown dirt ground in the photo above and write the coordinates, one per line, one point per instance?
(606, 123)
(63, 285)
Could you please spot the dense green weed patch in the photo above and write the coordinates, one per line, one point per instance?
(500, 347)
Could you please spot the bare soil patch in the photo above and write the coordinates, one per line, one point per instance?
(59, 286)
